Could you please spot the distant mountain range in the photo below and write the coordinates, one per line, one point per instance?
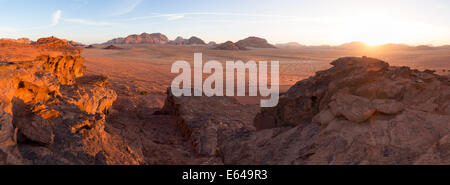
(158, 38)
(361, 45)
(248, 43)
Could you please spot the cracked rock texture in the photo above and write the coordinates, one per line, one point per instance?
(49, 112)
(360, 111)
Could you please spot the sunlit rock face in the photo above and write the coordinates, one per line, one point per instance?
(49, 112)
(360, 111)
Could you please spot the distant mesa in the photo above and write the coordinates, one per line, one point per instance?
(212, 43)
(15, 41)
(229, 46)
(444, 47)
(90, 47)
(424, 47)
(250, 42)
(195, 41)
(191, 41)
(290, 45)
(177, 41)
(353, 45)
(112, 47)
(75, 44)
(254, 42)
(144, 38)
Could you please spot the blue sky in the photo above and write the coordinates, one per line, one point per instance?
(312, 22)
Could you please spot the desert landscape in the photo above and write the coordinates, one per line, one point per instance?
(67, 103)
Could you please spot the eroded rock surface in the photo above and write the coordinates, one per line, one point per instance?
(208, 122)
(49, 113)
(361, 111)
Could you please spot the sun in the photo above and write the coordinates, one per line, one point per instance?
(376, 29)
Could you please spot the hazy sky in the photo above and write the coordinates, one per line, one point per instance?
(312, 22)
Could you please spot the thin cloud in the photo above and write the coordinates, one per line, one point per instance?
(56, 17)
(131, 5)
(174, 17)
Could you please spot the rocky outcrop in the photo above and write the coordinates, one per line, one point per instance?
(212, 43)
(250, 42)
(179, 41)
(361, 111)
(90, 47)
(24, 50)
(144, 38)
(112, 47)
(191, 41)
(75, 44)
(195, 41)
(254, 42)
(229, 46)
(50, 114)
(290, 45)
(5, 41)
(209, 126)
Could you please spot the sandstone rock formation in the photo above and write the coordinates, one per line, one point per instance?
(254, 42)
(75, 44)
(50, 114)
(24, 50)
(229, 46)
(191, 41)
(17, 41)
(212, 43)
(290, 45)
(112, 47)
(144, 38)
(361, 111)
(179, 40)
(210, 125)
(195, 41)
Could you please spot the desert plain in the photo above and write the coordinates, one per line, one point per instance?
(144, 71)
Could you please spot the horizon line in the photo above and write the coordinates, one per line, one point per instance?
(274, 43)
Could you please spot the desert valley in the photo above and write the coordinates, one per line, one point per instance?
(63, 102)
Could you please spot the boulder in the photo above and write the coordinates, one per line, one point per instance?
(353, 108)
(388, 106)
